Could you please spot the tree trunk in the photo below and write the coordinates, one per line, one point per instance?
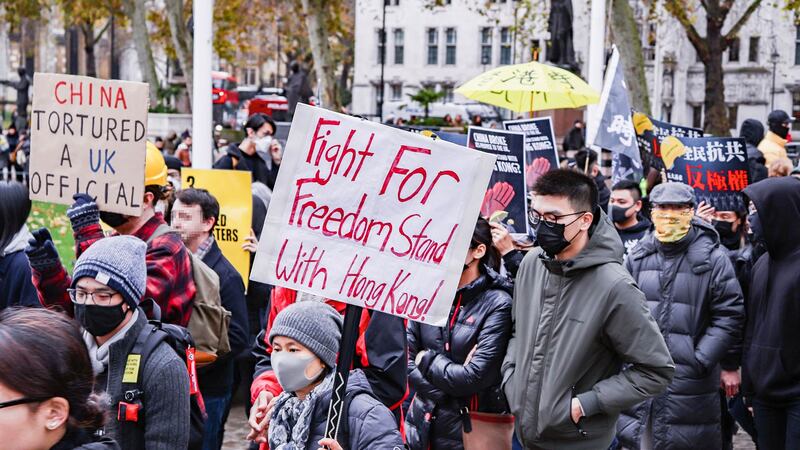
(716, 112)
(87, 29)
(182, 41)
(315, 13)
(135, 10)
(629, 43)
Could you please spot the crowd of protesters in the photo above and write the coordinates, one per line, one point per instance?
(636, 317)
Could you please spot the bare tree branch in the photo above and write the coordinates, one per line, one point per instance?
(102, 30)
(678, 10)
(734, 31)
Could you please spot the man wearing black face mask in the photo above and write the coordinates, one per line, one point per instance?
(773, 146)
(578, 317)
(169, 268)
(624, 206)
(109, 281)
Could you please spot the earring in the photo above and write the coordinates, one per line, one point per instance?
(52, 426)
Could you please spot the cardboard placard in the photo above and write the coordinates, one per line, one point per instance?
(88, 136)
(371, 215)
(715, 167)
(232, 190)
(506, 192)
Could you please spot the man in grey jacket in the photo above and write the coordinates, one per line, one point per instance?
(578, 317)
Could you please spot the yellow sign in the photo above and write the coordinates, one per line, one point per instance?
(132, 369)
(232, 190)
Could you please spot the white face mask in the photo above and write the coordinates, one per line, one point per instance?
(290, 369)
(262, 143)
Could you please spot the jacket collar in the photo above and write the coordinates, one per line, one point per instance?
(213, 255)
(772, 137)
(145, 231)
(702, 240)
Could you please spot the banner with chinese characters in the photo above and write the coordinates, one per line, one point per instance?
(650, 133)
(715, 167)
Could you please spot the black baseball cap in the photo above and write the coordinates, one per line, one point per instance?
(779, 116)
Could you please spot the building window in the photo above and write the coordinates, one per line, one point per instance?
(486, 46)
(433, 46)
(733, 51)
(397, 92)
(753, 50)
(249, 76)
(391, 2)
(447, 89)
(733, 115)
(398, 46)
(797, 47)
(505, 45)
(697, 116)
(381, 46)
(450, 46)
(536, 50)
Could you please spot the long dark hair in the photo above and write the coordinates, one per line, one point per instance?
(14, 209)
(42, 355)
(483, 235)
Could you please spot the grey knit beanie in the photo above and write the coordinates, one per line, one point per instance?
(315, 325)
(119, 263)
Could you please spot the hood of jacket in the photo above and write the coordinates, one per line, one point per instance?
(778, 203)
(604, 246)
(18, 242)
(698, 244)
(752, 131)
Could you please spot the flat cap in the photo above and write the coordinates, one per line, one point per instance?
(672, 194)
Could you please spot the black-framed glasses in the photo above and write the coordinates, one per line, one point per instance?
(535, 217)
(97, 297)
(22, 401)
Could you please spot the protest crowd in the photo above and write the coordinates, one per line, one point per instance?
(654, 309)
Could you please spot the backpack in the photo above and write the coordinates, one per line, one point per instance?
(209, 321)
(134, 407)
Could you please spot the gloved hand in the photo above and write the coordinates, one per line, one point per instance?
(41, 251)
(83, 212)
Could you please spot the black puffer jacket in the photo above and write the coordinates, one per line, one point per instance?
(695, 299)
(480, 319)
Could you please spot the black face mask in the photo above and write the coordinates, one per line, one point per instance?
(551, 239)
(728, 237)
(113, 219)
(99, 320)
(617, 213)
(779, 129)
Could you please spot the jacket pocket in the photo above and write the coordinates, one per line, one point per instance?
(558, 424)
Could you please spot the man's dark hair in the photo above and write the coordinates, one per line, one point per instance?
(577, 187)
(628, 185)
(580, 159)
(207, 202)
(256, 121)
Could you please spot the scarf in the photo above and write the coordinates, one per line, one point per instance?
(290, 424)
(17, 242)
(98, 355)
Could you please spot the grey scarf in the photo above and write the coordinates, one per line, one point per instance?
(291, 417)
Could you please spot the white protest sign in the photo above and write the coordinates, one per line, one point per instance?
(372, 215)
(88, 136)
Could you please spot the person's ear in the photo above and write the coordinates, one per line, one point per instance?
(479, 252)
(586, 221)
(595, 170)
(208, 224)
(637, 205)
(149, 199)
(55, 412)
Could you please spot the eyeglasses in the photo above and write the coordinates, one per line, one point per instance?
(552, 220)
(97, 297)
(22, 401)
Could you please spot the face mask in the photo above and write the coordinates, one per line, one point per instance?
(263, 143)
(779, 129)
(291, 370)
(756, 232)
(617, 213)
(99, 320)
(113, 219)
(672, 225)
(552, 240)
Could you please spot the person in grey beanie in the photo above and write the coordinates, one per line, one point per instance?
(108, 283)
(305, 341)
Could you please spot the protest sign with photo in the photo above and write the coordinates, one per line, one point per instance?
(651, 132)
(88, 136)
(505, 198)
(371, 215)
(540, 143)
(715, 167)
(232, 190)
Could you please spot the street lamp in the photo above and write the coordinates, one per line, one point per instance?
(773, 58)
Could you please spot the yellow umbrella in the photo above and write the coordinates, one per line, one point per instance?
(530, 87)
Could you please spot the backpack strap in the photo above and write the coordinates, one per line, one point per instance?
(131, 408)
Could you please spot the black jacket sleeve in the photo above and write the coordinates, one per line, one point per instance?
(415, 378)
(385, 339)
(263, 362)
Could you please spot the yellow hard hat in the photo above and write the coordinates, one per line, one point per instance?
(155, 169)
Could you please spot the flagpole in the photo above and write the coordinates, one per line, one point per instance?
(597, 39)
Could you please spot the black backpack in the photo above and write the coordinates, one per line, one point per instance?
(134, 406)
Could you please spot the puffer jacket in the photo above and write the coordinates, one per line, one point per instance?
(773, 147)
(481, 319)
(83, 440)
(694, 296)
(370, 424)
